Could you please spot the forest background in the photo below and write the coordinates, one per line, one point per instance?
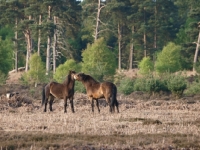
(97, 37)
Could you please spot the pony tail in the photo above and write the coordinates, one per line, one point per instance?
(114, 97)
(114, 101)
(43, 95)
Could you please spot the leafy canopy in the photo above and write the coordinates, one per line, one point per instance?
(146, 65)
(98, 60)
(63, 69)
(6, 55)
(168, 60)
(36, 73)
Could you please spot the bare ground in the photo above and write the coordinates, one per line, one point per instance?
(144, 122)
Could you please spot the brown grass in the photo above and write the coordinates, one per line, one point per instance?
(152, 124)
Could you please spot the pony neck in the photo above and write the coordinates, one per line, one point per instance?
(89, 81)
(67, 80)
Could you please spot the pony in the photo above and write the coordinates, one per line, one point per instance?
(96, 90)
(63, 90)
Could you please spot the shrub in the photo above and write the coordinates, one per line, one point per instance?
(140, 85)
(126, 86)
(79, 87)
(63, 69)
(193, 88)
(36, 74)
(168, 59)
(98, 60)
(3, 78)
(150, 84)
(177, 84)
(146, 66)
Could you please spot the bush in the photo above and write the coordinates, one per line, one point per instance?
(63, 69)
(146, 66)
(177, 84)
(36, 74)
(126, 86)
(3, 78)
(168, 59)
(150, 84)
(98, 60)
(193, 88)
(79, 87)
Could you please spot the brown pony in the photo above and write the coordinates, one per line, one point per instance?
(96, 90)
(61, 91)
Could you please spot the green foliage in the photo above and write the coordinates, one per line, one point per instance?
(177, 84)
(79, 87)
(63, 69)
(98, 60)
(193, 88)
(169, 59)
(146, 66)
(150, 84)
(36, 74)
(6, 47)
(126, 86)
(3, 78)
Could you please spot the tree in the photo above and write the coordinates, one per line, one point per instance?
(63, 69)
(36, 73)
(168, 60)
(146, 65)
(6, 55)
(118, 10)
(189, 32)
(98, 60)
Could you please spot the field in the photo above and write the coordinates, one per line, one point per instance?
(144, 122)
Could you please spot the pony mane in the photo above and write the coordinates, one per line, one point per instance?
(68, 78)
(89, 78)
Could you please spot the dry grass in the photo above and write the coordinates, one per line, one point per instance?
(139, 125)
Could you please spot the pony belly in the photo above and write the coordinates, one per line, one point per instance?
(59, 95)
(96, 96)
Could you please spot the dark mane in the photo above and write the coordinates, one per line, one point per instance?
(88, 78)
(68, 79)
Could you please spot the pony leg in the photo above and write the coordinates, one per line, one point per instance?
(72, 104)
(92, 104)
(97, 103)
(117, 105)
(45, 105)
(65, 104)
(51, 103)
(109, 103)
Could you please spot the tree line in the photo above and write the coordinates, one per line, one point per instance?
(130, 30)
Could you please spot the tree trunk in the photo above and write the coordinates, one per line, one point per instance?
(145, 41)
(39, 35)
(54, 46)
(48, 46)
(196, 52)
(119, 46)
(155, 29)
(16, 46)
(131, 52)
(29, 48)
(27, 34)
(48, 55)
(97, 20)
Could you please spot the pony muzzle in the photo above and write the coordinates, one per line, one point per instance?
(75, 77)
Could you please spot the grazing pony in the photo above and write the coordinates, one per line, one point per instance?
(63, 90)
(96, 90)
